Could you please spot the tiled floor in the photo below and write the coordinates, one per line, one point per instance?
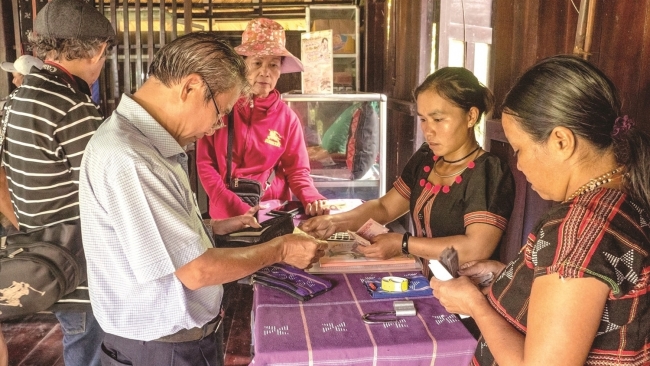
(36, 340)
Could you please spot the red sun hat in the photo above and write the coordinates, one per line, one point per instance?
(265, 37)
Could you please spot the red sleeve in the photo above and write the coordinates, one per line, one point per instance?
(295, 162)
(223, 202)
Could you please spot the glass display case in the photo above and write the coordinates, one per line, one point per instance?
(343, 20)
(345, 135)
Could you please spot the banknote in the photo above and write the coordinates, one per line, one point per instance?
(371, 229)
(446, 267)
(358, 238)
(297, 230)
(483, 280)
(449, 260)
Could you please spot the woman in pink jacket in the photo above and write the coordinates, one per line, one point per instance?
(268, 134)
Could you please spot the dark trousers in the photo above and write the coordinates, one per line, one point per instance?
(118, 351)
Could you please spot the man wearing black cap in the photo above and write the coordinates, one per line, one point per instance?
(51, 120)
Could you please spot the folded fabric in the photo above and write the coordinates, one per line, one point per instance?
(292, 281)
(418, 286)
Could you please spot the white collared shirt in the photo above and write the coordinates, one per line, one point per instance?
(140, 223)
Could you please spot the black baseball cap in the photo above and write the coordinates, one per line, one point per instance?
(72, 19)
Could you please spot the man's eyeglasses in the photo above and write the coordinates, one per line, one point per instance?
(219, 124)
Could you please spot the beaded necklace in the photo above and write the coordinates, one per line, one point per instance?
(446, 176)
(595, 183)
(439, 187)
(458, 172)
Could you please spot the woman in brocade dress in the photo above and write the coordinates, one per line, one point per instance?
(579, 292)
(457, 194)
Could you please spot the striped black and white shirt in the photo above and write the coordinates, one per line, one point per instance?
(50, 121)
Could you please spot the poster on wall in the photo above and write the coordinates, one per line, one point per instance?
(317, 59)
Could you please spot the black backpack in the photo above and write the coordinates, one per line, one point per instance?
(39, 267)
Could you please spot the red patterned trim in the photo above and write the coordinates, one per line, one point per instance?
(352, 141)
(401, 188)
(639, 357)
(583, 228)
(423, 205)
(427, 210)
(485, 217)
(496, 305)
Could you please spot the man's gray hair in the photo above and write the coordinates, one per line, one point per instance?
(204, 54)
(50, 48)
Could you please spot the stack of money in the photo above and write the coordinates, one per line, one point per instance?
(367, 231)
(449, 260)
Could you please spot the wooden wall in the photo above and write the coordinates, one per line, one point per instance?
(7, 52)
(396, 61)
(526, 31)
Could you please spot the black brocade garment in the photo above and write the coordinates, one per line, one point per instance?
(483, 193)
(603, 235)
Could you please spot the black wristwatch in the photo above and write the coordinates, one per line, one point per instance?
(405, 243)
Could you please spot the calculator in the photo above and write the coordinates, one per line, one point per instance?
(341, 236)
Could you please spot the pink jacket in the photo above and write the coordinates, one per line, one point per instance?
(267, 134)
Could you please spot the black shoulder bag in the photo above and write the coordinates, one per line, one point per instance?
(248, 190)
(40, 266)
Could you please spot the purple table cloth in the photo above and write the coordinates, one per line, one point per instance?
(328, 330)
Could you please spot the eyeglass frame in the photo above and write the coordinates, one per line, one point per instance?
(219, 124)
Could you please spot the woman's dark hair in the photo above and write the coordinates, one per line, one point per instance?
(568, 91)
(459, 86)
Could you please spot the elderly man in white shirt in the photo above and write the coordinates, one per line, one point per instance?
(154, 276)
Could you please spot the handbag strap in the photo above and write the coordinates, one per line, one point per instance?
(231, 127)
(231, 137)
